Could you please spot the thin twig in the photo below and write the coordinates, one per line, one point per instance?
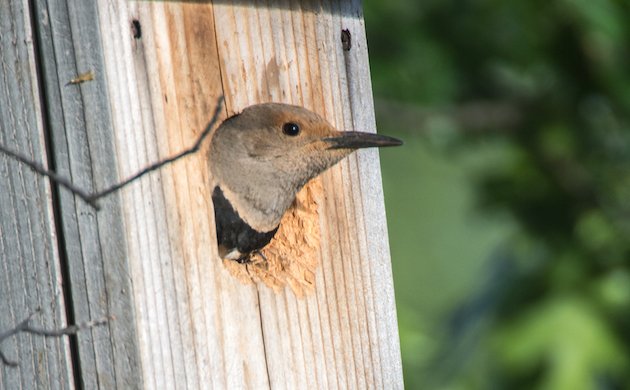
(25, 327)
(92, 198)
(60, 180)
(160, 164)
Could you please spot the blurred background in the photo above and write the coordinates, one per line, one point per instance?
(509, 205)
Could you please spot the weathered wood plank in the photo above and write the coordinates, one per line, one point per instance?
(352, 316)
(80, 125)
(196, 325)
(30, 276)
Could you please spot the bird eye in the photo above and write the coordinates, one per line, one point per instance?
(291, 129)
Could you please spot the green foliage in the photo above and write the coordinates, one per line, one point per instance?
(572, 341)
(556, 74)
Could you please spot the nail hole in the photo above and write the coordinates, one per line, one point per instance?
(346, 39)
(136, 29)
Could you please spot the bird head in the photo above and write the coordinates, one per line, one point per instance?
(261, 157)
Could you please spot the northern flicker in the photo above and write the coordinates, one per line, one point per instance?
(259, 160)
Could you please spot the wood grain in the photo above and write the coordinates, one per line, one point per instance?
(79, 121)
(197, 325)
(30, 274)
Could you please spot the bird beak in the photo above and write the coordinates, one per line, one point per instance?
(358, 140)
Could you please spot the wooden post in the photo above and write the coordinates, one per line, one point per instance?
(148, 256)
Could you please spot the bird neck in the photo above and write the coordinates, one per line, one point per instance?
(259, 203)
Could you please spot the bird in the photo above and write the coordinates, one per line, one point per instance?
(260, 158)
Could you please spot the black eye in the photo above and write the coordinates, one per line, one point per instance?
(291, 129)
